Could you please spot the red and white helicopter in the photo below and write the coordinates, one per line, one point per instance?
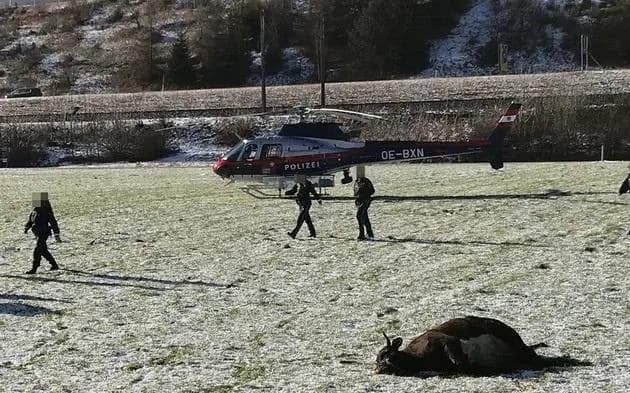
(317, 150)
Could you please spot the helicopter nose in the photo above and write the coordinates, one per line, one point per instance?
(218, 167)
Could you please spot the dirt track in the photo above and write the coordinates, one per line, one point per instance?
(348, 95)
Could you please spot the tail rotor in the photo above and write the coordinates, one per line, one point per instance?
(497, 136)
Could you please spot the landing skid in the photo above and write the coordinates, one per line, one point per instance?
(260, 191)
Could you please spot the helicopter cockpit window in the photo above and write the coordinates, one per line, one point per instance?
(250, 152)
(233, 154)
(271, 151)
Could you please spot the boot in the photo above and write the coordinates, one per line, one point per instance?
(291, 234)
(32, 271)
(54, 267)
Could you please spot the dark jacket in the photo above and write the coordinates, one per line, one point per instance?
(41, 221)
(363, 190)
(303, 192)
(625, 186)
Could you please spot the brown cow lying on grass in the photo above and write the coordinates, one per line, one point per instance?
(470, 345)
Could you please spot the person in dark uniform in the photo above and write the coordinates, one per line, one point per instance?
(41, 221)
(625, 188)
(303, 191)
(363, 191)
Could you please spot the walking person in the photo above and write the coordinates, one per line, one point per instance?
(303, 191)
(625, 188)
(41, 221)
(363, 191)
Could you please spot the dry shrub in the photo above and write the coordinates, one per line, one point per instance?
(548, 129)
(429, 122)
(229, 132)
(573, 128)
(22, 146)
(139, 142)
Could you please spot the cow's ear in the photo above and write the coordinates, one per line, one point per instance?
(396, 343)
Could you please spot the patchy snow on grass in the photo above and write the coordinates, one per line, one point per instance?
(103, 37)
(169, 36)
(88, 82)
(51, 64)
(102, 16)
(458, 53)
(455, 55)
(25, 42)
(296, 68)
(194, 141)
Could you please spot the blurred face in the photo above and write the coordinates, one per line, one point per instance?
(38, 197)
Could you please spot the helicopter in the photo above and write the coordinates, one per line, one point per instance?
(318, 150)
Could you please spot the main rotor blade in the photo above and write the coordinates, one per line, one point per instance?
(360, 116)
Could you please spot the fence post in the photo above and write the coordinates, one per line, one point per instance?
(602, 155)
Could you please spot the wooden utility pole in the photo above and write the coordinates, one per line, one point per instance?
(263, 83)
(503, 65)
(322, 60)
(584, 52)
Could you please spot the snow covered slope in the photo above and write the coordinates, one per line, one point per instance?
(459, 53)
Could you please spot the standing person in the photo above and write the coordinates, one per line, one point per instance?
(363, 191)
(41, 221)
(303, 190)
(625, 188)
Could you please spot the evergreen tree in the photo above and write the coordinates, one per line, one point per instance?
(386, 40)
(278, 31)
(610, 44)
(339, 17)
(180, 72)
(137, 70)
(224, 48)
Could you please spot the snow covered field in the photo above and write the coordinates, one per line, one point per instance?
(174, 282)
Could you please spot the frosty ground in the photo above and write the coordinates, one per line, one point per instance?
(175, 282)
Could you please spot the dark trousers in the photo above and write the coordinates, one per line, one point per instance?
(41, 250)
(304, 216)
(364, 219)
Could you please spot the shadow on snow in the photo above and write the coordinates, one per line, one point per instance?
(392, 239)
(24, 310)
(550, 365)
(258, 193)
(12, 296)
(116, 281)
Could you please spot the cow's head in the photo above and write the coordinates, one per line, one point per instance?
(388, 358)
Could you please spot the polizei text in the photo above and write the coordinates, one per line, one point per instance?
(301, 166)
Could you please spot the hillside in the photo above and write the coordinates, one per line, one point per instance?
(129, 45)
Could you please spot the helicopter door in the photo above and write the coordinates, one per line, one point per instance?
(272, 157)
(250, 152)
(247, 159)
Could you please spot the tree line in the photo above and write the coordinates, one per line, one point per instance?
(364, 39)
(375, 39)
